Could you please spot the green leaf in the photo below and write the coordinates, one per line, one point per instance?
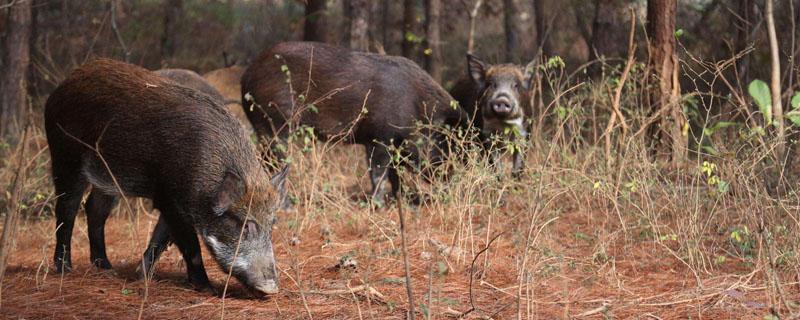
(759, 90)
(794, 117)
(796, 100)
(679, 33)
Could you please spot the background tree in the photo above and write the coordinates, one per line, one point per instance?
(410, 29)
(13, 79)
(669, 118)
(316, 26)
(357, 12)
(391, 27)
(520, 30)
(173, 9)
(433, 41)
(607, 37)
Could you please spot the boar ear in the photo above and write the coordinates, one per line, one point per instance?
(476, 69)
(529, 72)
(279, 180)
(229, 191)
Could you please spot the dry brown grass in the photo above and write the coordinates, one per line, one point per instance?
(582, 236)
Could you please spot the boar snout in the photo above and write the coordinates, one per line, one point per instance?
(502, 107)
(264, 279)
(254, 263)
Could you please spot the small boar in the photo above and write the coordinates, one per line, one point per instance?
(498, 98)
(124, 130)
(369, 99)
(227, 82)
(191, 79)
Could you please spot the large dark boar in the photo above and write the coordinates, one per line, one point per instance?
(369, 99)
(498, 98)
(117, 127)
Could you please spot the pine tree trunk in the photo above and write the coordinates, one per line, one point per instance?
(358, 11)
(315, 27)
(13, 81)
(410, 29)
(608, 39)
(433, 41)
(392, 26)
(172, 14)
(669, 128)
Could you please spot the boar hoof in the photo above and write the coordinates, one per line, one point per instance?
(102, 263)
(63, 266)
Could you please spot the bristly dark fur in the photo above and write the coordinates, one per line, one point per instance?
(160, 140)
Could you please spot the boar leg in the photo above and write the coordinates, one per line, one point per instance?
(519, 165)
(159, 242)
(186, 239)
(98, 207)
(380, 168)
(69, 185)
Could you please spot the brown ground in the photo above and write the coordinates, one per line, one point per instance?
(640, 281)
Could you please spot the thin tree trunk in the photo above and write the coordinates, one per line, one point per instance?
(661, 15)
(13, 81)
(392, 31)
(315, 27)
(542, 24)
(359, 24)
(172, 14)
(775, 85)
(473, 20)
(410, 29)
(511, 26)
(520, 29)
(433, 41)
(743, 25)
(607, 38)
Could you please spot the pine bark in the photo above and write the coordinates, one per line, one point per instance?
(13, 81)
(669, 127)
(433, 41)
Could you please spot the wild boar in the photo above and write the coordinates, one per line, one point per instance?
(369, 99)
(124, 130)
(191, 79)
(227, 82)
(498, 98)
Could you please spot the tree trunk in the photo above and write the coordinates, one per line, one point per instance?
(315, 27)
(520, 30)
(433, 41)
(13, 81)
(744, 28)
(607, 37)
(511, 26)
(775, 83)
(172, 14)
(542, 23)
(668, 128)
(410, 27)
(392, 26)
(358, 14)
